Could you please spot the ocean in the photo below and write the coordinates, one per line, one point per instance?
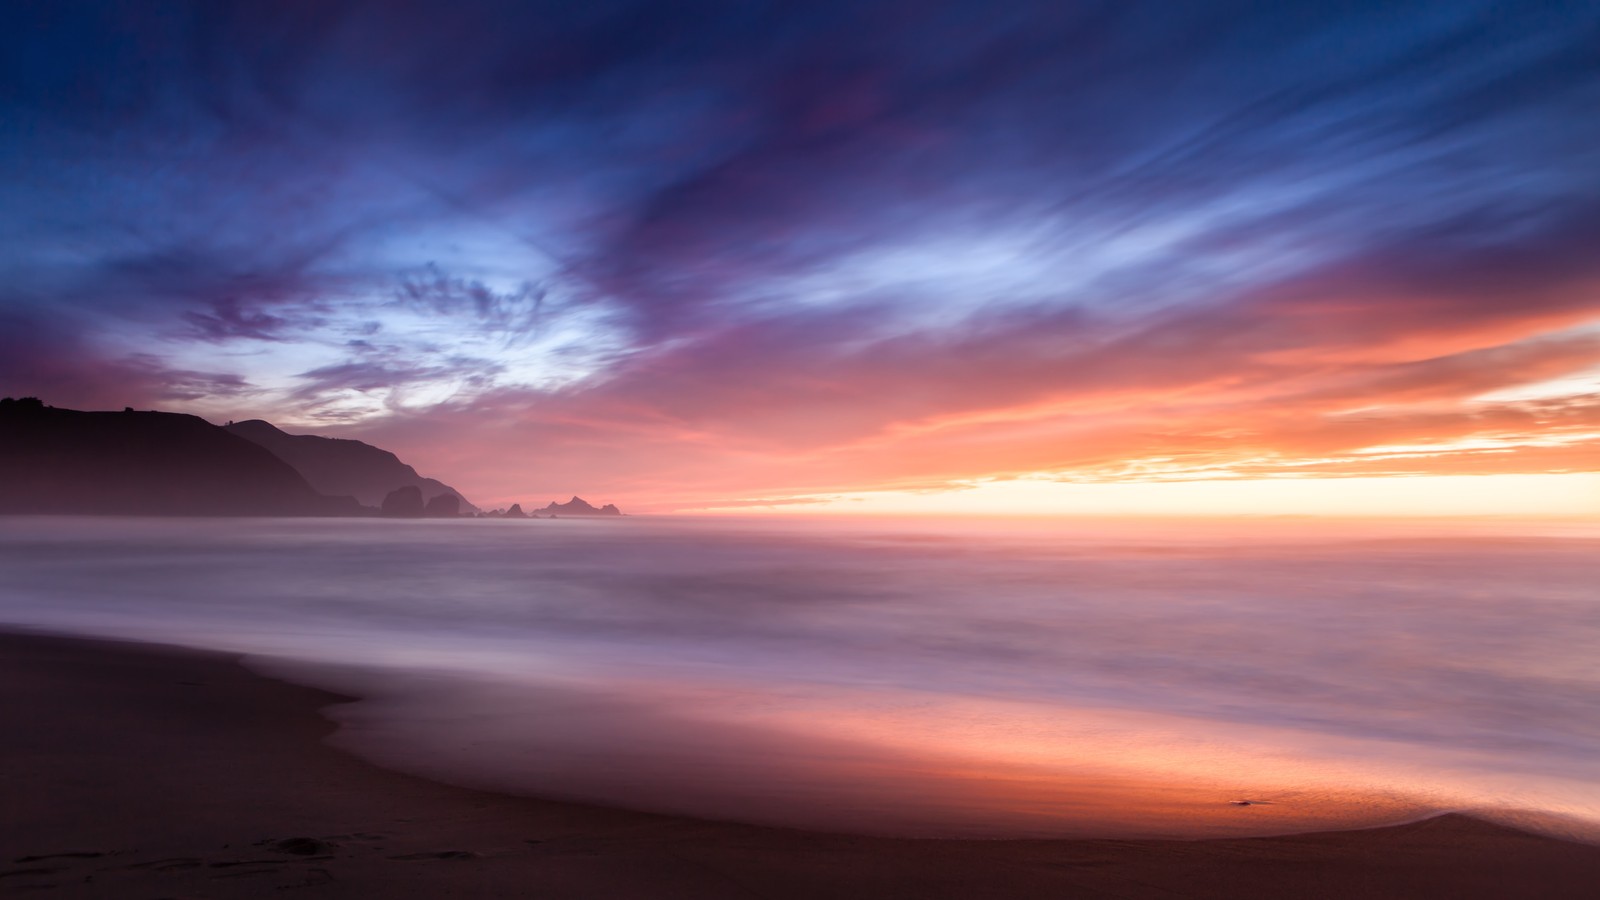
(972, 678)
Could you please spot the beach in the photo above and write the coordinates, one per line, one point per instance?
(144, 770)
(828, 450)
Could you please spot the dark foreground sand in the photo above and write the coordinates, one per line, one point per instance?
(132, 771)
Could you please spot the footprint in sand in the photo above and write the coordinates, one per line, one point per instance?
(231, 863)
(71, 854)
(299, 846)
(248, 873)
(164, 865)
(11, 873)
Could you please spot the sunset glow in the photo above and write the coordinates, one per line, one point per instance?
(1557, 496)
(849, 449)
(1206, 261)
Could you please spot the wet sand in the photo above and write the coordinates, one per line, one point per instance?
(129, 770)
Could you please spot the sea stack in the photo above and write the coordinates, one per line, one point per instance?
(444, 506)
(404, 503)
(578, 506)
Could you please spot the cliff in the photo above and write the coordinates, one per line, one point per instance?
(344, 467)
(143, 463)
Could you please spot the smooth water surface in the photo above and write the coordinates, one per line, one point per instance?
(930, 678)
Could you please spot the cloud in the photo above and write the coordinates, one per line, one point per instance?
(183, 384)
(509, 315)
(227, 321)
(387, 379)
(722, 250)
(45, 357)
(1313, 376)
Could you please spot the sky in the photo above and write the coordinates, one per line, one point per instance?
(897, 256)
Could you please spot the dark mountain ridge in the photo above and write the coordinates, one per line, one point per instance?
(578, 506)
(143, 463)
(338, 466)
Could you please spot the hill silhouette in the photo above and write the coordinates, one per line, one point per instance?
(578, 506)
(143, 463)
(337, 466)
(404, 502)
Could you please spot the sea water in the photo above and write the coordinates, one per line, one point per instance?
(958, 678)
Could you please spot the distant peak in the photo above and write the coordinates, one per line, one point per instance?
(579, 506)
(254, 425)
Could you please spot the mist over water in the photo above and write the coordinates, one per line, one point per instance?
(945, 678)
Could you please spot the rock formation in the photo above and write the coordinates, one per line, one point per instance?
(578, 506)
(143, 463)
(444, 506)
(340, 466)
(404, 502)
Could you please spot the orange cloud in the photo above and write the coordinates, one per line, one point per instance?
(745, 414)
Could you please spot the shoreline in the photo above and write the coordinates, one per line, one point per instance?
(136, 768)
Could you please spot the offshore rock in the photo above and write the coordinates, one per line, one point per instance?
(405, 502)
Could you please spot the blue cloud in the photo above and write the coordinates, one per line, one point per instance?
(538, 195)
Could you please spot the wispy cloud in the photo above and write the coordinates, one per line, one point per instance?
(509, 315)
(714, 250)
(227, 321)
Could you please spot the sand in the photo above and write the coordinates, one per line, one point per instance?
(132, 771)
